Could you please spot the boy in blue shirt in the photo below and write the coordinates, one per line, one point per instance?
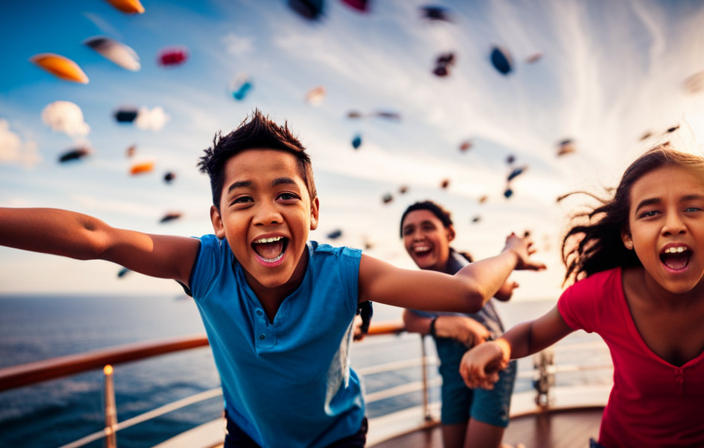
(278, 310)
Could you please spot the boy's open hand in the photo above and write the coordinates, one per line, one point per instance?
(480, 366)
(463, 329)
(523, 247)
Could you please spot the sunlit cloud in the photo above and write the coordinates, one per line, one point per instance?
(238, 45)
(14, 150)
(67, 117)
(151, 119)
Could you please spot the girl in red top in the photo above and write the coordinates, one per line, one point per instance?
(638, 264)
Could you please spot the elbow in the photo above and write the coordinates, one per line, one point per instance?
(477, 296)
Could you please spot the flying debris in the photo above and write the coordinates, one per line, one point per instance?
(368, 244)
(131, 151)
(532, 59)
(61, 67)
(445, 183)
(170, 216)
(435, 13)
(508, 193)
(335, 234)
(316, 95)
(646, 136)
(516, 172)
(115, 51)
(389, 115)
(483, 199)
(240, 86)
(123, 272)
(387, 198)
(354, 114)
(673, 128)
(74, 154)
(476, 219)
(694, 83)
(357, 141)
(510, 159)
(310, 9)
(465, 145)
(443, 64)
(142, 167)
(127, 6)
(501, 59)
(566, 147)
(169, 177)
(172, 56)
(126, 115)
(359, 5)
(403, 189)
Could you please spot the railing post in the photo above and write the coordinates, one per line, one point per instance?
(543, 362)
(424, 367)
(110, 409)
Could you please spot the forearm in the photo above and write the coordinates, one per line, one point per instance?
(415, 323)
(51, 231)
(487, 276)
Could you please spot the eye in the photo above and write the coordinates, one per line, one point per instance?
(649, 214)
(407, 230)
(288, 196)
(692, 209)
(241, 200)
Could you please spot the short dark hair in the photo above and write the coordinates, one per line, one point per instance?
(437, 210)
(255, 131)
(599, 246)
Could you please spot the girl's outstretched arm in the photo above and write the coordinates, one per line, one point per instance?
(480, 366)
(460, 328)
(466, 291)
(74, 235)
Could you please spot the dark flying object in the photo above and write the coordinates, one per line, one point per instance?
(357, 141)
(508, 193)
(335, 234)
(388, 115)
(126, 115)
(172, 57)
(61, 67)
(483, 199)
(465, 145)
(359, 5)
(354, 114)
(74, 154)
(169, 177)
(501, 59)
(310, 9)
(673, 128)
(123, 272)
(566, 147)
(476, 219)
(240, 86)
(532, 59)
(436, 13)
(387, 198)
(170, 217)
(403, 189)
(510, 159)
(445, 183)
(131, 151)
(516, 172)
(443, 64)
(115, 51)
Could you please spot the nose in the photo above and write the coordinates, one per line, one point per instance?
(674, 225)
(267, 214)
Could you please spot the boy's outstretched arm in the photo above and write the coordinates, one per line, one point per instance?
(466, 291)
(74, 235)
(480, 366)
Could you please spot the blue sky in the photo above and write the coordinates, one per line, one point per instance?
(610, 72)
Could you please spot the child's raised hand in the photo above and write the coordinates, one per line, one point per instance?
(480, 366)
(523, 247)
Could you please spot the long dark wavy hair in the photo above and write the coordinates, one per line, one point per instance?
(597, 246)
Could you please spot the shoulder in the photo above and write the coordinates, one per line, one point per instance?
(583, 303)
(326, 252)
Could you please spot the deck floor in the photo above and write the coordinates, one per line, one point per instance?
(563, 429)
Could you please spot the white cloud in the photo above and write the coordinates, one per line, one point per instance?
(65, 116)
(153, 119)
(238, 45)
(14, 150)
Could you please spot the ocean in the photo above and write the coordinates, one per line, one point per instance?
(57, 412)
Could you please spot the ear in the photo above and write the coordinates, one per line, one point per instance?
(450, 233)
(314, 211)
(627, 240)
(216, 219)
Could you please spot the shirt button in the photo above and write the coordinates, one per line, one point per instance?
(262, 337)
(260, 312)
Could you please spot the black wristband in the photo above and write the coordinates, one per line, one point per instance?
(432, 327)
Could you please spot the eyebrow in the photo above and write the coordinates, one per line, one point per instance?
(653, 201)
(248, 183)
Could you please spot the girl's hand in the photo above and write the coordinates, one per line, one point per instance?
(523, 248)
(463, 329)
(480, 366)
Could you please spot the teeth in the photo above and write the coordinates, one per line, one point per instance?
(675, 250)
(268, 240)
(421, 248)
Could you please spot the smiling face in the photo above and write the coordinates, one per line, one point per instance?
(426, 240)
(666, 228)
(265, 215)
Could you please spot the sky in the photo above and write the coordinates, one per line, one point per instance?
(609, 73)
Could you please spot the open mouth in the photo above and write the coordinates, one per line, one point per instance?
(270, 250)
(421, 250)
(676, 258)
